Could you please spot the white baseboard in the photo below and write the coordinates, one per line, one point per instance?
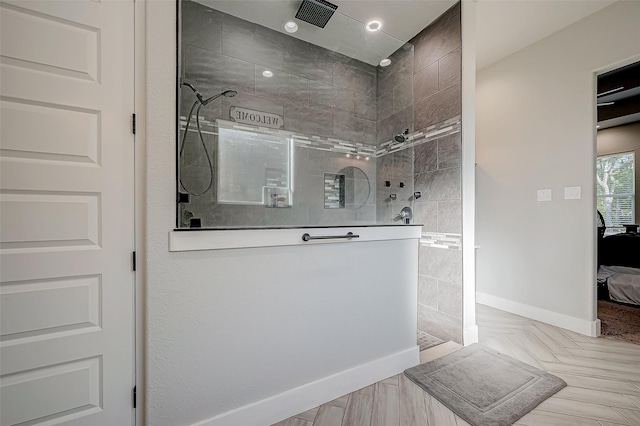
(588, 328)
(286, 404)
(470, 335)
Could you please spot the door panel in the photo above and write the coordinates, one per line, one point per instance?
(66, 224)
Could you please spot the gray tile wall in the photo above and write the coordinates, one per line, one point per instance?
(308, 195)
(319, 92)
(308, 82)
(395, 114)
(436, 95)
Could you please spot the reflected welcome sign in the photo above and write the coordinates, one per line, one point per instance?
(256, 118)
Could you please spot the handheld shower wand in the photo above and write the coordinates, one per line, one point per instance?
(226, 93)
(202, 102)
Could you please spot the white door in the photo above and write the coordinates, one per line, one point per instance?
(66, 228)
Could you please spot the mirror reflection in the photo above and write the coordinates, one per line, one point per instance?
(357, 188)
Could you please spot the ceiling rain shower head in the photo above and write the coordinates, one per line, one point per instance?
(316, 12)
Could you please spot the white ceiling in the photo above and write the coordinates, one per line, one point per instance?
(506, 26)
(403, 19)
(345, 32)
(503, 26)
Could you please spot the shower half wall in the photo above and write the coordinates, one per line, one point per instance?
(326, 100)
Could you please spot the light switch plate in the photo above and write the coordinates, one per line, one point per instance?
(544, 194)
(572, 192)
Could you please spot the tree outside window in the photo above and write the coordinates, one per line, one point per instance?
(616, 193)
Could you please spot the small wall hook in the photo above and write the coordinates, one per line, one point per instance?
(393, 196)
(417, 195)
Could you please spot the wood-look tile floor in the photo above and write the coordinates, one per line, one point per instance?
(603, 377)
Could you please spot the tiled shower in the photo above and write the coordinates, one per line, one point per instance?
(327, 102)
(340, 117)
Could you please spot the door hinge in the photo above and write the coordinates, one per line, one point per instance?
(134, 261)
(134, 396)
(133, 123)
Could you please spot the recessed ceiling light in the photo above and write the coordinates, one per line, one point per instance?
(373, 25)
(385, 62)
(291, 27)
(267, 73)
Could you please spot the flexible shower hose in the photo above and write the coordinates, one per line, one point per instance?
(204, 146)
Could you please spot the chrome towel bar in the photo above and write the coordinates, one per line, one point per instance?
(350, 235)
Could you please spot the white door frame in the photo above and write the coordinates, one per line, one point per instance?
(596, 73)
(140, 82)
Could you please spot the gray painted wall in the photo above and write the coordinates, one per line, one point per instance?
(539, 258)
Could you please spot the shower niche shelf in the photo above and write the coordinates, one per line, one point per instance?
(334, 191)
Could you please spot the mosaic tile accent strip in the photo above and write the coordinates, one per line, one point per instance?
(304, 141)
(441, 240)
(426, 341)
(321, 143)
(445, 128)
(206, 126)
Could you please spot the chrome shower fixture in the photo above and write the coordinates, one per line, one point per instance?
(226, 93)
(406, 215)
(402, 137)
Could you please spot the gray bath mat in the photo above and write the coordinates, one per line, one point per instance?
(485, 387)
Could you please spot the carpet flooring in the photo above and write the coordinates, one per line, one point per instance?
(620, 321)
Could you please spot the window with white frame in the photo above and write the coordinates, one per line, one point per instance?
(616, 190)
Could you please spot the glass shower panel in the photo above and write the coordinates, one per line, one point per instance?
(289, 130)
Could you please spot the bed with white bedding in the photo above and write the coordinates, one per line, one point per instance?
(623, 283)
(619, 273)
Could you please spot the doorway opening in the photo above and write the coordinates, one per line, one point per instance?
(617, 205)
